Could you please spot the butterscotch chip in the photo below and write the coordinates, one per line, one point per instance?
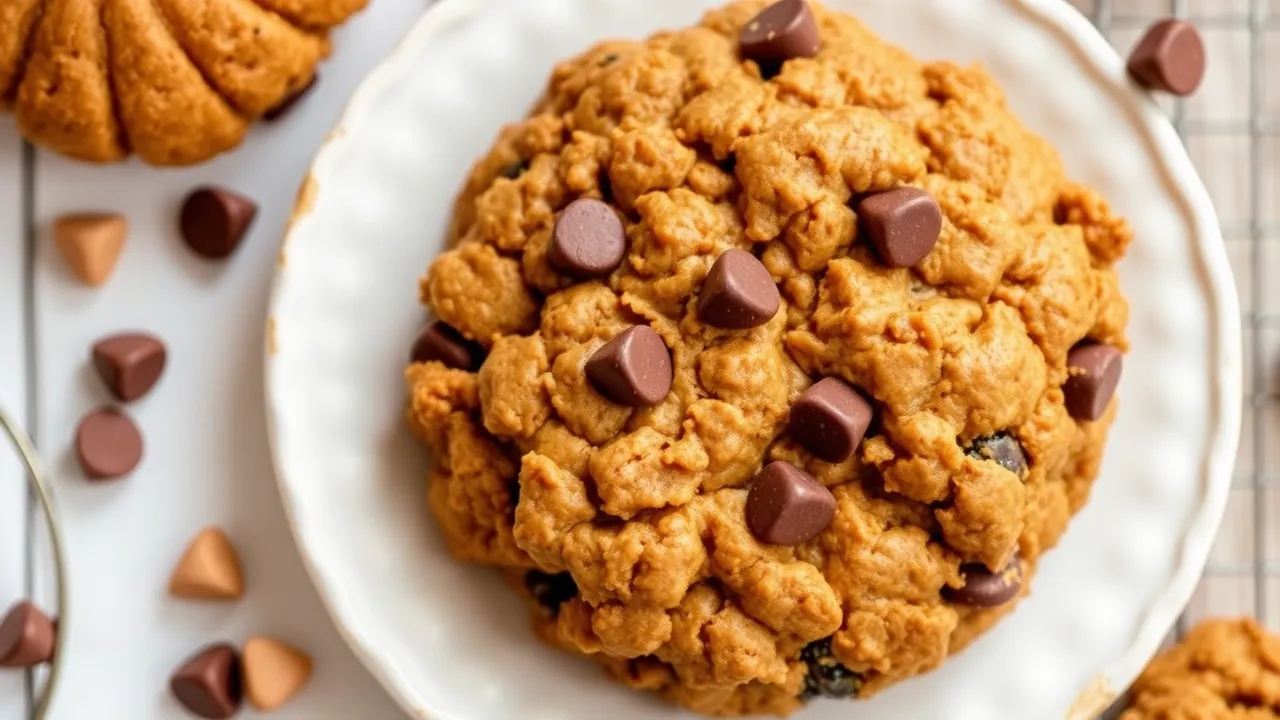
(90, 244)
(274, 672)
(209, 569)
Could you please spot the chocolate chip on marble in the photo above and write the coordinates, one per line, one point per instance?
(208, 684)
(215, 220)
(830, 419)
(787, 506)
(786, 29)
(290, 101)
(108, 445)
(1003, 449)
(588, 240)
(1170, 57)
(442, 343)
(634, 368)
(903, 224)
(738, 293)
(27, 637)
(1094, 374)
(129, 363)
(986, 589)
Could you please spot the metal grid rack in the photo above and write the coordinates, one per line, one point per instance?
(1232, 131)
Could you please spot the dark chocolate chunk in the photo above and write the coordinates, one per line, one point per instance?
(1002, 449)
(830, 419)
(786, 506)
(441, 343)
(1094, 375)
(215, 220)
(903, 225)
(27, 637)
(784, 30)
(825, 676)
(588, 240)
(738, 293)
(1170, 57)
(514, 170)
(986, 589)
(208, 683)
(634, 368)
(551, 591)
(130, 363)
(108, 445)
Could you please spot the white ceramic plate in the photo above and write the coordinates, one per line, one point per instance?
(451, 643)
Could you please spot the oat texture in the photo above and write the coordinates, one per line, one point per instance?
(172, 81)
(625, 527)
(1223, 670)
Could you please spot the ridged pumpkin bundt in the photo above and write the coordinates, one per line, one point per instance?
(174, 81)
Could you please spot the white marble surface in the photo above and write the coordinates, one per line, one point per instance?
(206, 460)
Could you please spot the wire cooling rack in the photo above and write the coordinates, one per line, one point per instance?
(1232, 130)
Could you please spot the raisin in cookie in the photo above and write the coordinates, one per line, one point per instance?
(1222, 670)
(769, 359)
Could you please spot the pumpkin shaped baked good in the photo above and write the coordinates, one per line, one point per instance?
(175, 82)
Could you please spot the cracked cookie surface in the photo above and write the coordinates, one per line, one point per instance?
(1223, 670)
(631, 515)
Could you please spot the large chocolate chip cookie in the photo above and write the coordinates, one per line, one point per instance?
(794, 354)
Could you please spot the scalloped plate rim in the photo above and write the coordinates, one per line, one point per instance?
(1108, 67)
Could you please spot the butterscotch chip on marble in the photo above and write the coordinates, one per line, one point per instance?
(209, 569)
(90, 244)
(274, 672)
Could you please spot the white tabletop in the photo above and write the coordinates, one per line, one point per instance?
(206, 459)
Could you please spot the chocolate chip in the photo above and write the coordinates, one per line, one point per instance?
(1170, 57)
(129, 363)
(588, 240)
(291, 100)
(903, 224)
(786, 506)
(784, 30)
(108, 445)
(825, 675)
(208, 683)
(215, 220)
(514, 170)
(27, 637)
(634, 368)
(738, 293)
(441, 343)
(1002, 449)
(830, 419)
(1094, 374)
(551, 591)
(986, 589)
(608, 60)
